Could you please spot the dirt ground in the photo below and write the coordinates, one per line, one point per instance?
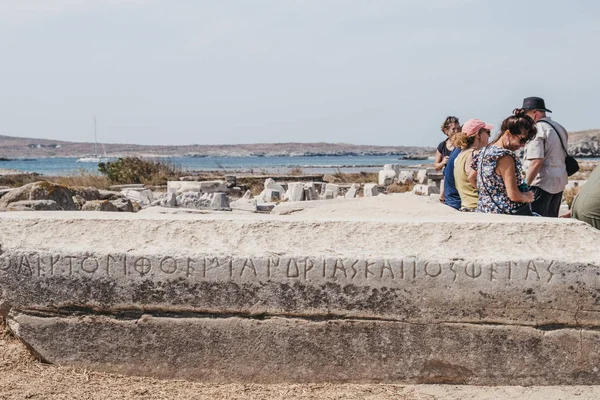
(23, 377)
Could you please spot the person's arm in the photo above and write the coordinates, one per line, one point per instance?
(473, 178)
(535, 165)
(535, 151)
(439, 161)
(566, 215)
(506, 168)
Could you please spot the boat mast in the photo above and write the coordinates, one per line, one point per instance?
(95, 139)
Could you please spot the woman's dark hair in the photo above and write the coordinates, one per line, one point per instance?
(449, 120)
(518, 124)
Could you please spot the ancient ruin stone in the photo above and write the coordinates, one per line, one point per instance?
(329, 297)
(33, 205)
(371, 189)
(295, 191)
(41, 191)
(99, 205)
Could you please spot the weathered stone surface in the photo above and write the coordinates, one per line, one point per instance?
(405, 177)
(109, 195)
(370, 189)
(426, 190)
(421, 176)
(180, 187)
(123, 205)
(99, 205)
(310, 191)
(33, 205)
(244, 204)
(220, 201)
(87, 193)
(282, 350)
(352, 299)
(351, 193)
(295, 191)
(170, 200)
(41, 191)
(143, 197)
(386, 177)
(4, 191)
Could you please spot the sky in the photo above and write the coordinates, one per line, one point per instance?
(378, 72)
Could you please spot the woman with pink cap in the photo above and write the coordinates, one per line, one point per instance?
(474, 135)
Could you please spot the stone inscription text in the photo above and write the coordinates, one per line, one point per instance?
(388, 271)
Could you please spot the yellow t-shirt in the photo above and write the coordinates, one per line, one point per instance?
(468, 194)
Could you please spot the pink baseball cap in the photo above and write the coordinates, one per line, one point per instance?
(472, 126)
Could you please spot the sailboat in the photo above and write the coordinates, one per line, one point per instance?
(94, 158)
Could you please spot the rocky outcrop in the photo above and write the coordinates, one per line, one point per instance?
(61, 195)
(585, 144)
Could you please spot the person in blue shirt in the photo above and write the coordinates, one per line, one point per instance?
(451, 195)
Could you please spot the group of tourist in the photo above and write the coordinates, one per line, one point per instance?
(488, 176)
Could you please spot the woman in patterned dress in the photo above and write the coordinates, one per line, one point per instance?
(502, 188)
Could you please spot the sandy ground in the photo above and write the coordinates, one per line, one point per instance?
(22, 377)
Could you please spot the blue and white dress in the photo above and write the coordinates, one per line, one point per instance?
(493, 197)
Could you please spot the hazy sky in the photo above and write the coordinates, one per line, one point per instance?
(224, 71)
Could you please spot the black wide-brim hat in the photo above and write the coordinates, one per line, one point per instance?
(534, 103)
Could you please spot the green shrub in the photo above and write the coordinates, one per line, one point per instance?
(137, 170)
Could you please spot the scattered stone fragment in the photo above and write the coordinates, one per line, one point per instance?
(220, 202)
(351, 193)
(33, 205)
(99, 205)
(405, 177)
(371, 190)
(123, 205)
(422, 176)
(310, 191)
(295, 191)
(386, 177)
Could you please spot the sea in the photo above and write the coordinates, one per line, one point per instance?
(309, 164)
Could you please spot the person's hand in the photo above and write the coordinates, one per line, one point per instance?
(445, 160)
(529, 197)
(566, 215)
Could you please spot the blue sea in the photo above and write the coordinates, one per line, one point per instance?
(316, 164)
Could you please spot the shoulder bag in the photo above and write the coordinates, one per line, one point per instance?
(570, 162)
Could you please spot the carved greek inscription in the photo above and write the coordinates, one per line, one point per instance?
(308, 266)
(433, 269)
(114, 260)
(190, 267)
(272, 262)
(493, 271)
(473, 270)
(388, 271)
(248, 263)
(89, 265)
(70, 263)
(386, 266)
(453, 271)
(550, 272)
(142, 265)
(292, 272)
(24, 267)
(168, 265)
(531, 267)
(368, 271)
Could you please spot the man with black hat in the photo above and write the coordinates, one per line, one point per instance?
(545, 159)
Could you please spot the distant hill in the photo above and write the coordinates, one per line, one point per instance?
(16, 147)
(581, 144)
